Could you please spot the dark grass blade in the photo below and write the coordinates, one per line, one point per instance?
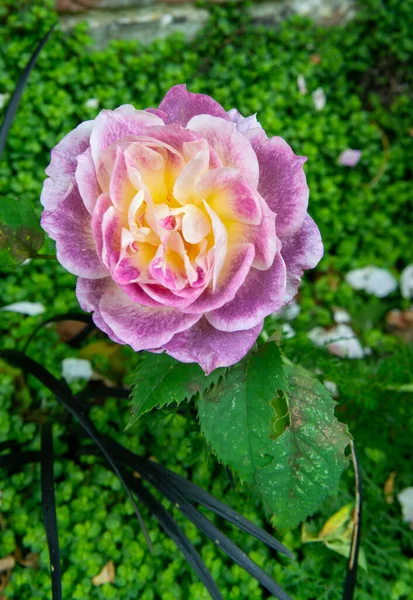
(76, 410)
(9, 445)
(49, 509)
(70, 316)
(172, 494)
(351, 576)
(100, 390)
(175, 533)
(15, 98)
(196, 494)
(17, 460)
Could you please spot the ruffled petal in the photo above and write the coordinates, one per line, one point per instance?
(209, 347)
(181, 105)
(301, 251)
(86, 180)
(139, 326)
(230, 196)
(261, 294)
(232, 277)
(244, 124)
(70, 226)
(233, 149)
(89, 292)
(63, 165)
(282, 183)
(111, 126)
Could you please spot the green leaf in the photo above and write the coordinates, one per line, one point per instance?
(241, 417)
(160, 380)
(20, 233)
(274, 425)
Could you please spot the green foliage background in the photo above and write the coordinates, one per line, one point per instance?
(365, 218)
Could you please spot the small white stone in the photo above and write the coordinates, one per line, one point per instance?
(341, 316)
(92, 103)
(76, 368)
(3, 100)
(406, 282)
(319, 98)
(302, 88)
(340, 341)
(406, 500)
(349, 157)
(291, 311)
(288, 331)
(332, 388)
(372, 280)
(25, 308)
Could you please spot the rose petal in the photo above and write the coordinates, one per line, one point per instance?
(301, 251)
(261, 294)
(211, 348)
(69, 225)
(181, 105)
(232, 277)
(233, 149)
(63, 165)
(230, 196)
(139, 326)
(244, 124)
(282, 183)
(86, 180)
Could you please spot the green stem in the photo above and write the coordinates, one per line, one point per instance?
(44, 256)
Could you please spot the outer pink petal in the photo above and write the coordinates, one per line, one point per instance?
(63, 164)
(89, 292)
(282, 183)
(70, 226)
(231, 279)
(181, 105)
(209, 347)
(140, 326)
(102, 205)
(111, 126)
(301, 251)
(263, 236)
(86, 180)
(233, 148)
(262, 294)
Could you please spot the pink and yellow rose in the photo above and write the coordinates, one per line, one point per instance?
(185, 225)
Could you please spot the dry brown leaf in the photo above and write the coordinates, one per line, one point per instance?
(400, 323)
(7, 563)
(388, 488)
(315, 59)
(69, 329)
(107, 575)
(31, 560)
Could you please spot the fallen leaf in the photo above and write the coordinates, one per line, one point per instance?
(315, 59)
(31, 560)
(7, 563)
(107, 575)
(67, 330)
(25, 308)
(340, 341)
(388, 488)
(372, 280)
(400, 323)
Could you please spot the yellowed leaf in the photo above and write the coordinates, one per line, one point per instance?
(337, 522)
(107, 575)
(7, 563)
(388, 488)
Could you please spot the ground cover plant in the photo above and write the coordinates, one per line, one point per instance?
(364, 216)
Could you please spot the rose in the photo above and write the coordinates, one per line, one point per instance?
(186, 225)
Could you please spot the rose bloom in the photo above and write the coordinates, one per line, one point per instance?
(186, 225)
